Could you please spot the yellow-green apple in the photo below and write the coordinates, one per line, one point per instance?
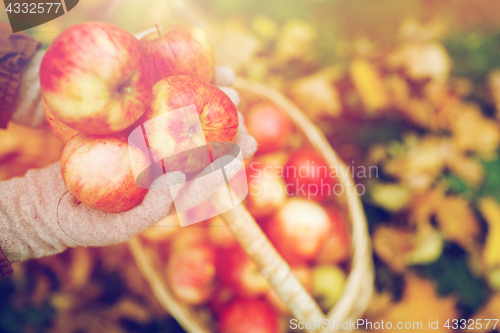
(95, 78)
(238, 272)
(308, 175)
(298, 230)
(336, 247)
(179, 50)
(191, 275)
(328, 283)
(185, 115)
(97, 170)
(270, 127)
(266, 189)
(304, 275)
(61, 131)
(244, 316)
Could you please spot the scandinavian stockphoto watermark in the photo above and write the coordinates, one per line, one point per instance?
(430, 325)
(326, 179)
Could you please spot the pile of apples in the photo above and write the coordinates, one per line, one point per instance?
(99, 82)
(204, 265)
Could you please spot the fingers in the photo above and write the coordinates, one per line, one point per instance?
(246, 142)
(223, 76)
(83, 225)
(207, 182)
(232, 94)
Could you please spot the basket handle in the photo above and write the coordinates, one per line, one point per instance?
(270, 263)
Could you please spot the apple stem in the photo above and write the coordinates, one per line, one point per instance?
(158, 29)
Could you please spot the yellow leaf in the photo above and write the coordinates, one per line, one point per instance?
(369, 85)
(420, 303)
(316, 94)
(491, 212)
(457, 221)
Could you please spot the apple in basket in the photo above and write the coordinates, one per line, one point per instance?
(266, 189)
(298, 230)
(172, 123)
(61, 131)
(98, 172)
(308, 175)
(95, 78)
(245, 316)
(237, 271)
(190, 274)
(270, 127)
(179, 50)
(336, 248)
(328, 285)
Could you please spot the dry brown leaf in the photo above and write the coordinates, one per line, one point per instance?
(82, 264)
(412, 29)
(316, 94)
(490, 311)
(468, 169)
(295, 41)
(233, 45)
(420, 303)
(24, 148)
(490, 209)
(393, 246)
(494, 86)
(473, 132)
(458, 222)
(421, 164)
(426, 60)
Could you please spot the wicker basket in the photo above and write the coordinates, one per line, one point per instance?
(358, 289)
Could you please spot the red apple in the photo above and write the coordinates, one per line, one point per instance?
(61, 131)
(179, 50)
(98, 172)
(245, 316)
(304, 275)
(298, 230)
(266, 189)
(336, 248)
(221, 298)
(95, 78)
(190, 274)
(178, 133)
(308, 175)
(269, 126)
(237, 271)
